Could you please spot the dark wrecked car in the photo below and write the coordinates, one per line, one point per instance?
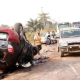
(14, 49)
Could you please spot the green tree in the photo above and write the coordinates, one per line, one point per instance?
(34, 24)
(4, 26)
(43, 18)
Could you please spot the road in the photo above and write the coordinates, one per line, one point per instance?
(54, 68)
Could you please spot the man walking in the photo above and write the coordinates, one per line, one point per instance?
(37, 42)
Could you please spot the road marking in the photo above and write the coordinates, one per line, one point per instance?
(74, 71)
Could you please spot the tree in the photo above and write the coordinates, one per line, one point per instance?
(43, 18)
(34, 24)
(4, 26)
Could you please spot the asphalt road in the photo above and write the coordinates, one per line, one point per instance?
(54, 68)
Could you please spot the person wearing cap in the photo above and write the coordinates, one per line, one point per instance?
(37, 42)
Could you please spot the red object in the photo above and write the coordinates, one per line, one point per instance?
(10, 49)
(13, 36)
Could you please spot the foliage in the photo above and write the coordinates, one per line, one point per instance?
(38, 23)
(43, 16)
(4, 26)
(34, 24)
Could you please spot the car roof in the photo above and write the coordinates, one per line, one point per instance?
(69, 28)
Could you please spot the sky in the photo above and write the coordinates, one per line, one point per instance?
(13, 11)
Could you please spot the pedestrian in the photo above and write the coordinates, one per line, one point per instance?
(37, 42)
(48, 36)
(52, 34)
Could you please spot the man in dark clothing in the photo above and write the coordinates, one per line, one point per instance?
(48, 36)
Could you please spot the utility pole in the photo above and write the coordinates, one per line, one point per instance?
(43, 18)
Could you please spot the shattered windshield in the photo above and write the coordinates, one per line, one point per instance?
(70, 33)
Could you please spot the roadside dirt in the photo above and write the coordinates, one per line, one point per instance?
(54, 68)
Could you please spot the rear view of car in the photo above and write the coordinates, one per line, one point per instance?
(9, 47)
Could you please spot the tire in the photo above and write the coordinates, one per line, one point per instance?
(17, 28)
(35, 51)
(55, 41)
(61, 54)
(58, 49)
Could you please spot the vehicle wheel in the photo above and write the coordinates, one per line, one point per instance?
(58, 49)
(56, 41)
(18, 27)
(34, 50)
(61, 54)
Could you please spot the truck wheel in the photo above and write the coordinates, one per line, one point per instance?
(58, 49)
(61, 54)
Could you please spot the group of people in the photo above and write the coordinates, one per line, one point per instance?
(48, 36)
(37, 40)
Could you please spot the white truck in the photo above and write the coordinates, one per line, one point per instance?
(60, 26)
(69, 41)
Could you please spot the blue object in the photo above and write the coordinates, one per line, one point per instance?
(48, 41)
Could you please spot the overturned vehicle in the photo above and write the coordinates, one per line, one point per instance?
(14, 49)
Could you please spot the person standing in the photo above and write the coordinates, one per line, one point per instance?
(37, 42)
(48, 36)
(53, 34)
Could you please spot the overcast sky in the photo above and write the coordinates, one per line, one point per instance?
(12, 11)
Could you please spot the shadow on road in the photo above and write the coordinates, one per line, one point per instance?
(72, 55)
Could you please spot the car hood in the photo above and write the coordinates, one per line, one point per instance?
(70, 40)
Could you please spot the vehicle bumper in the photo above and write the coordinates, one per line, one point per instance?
(64, 49)
(70, 49)
(3, 65)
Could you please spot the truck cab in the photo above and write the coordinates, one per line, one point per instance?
(76, 24)
(61, 26)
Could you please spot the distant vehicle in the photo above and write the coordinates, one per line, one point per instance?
(43, 38)
(76, 24)
(61, 26)
(69, 41)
